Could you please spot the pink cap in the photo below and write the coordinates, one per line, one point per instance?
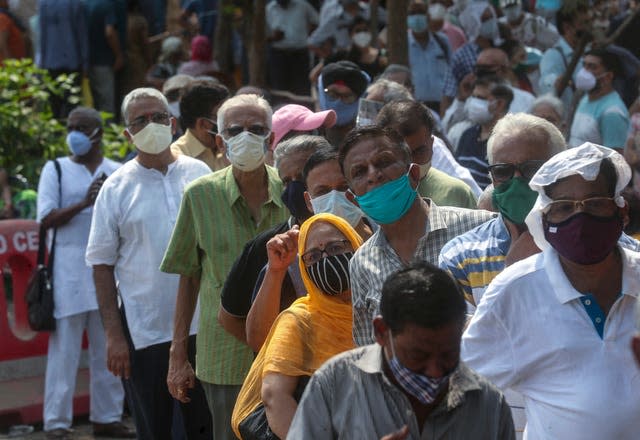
(298, 117)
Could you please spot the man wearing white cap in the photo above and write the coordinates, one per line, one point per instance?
(556, 326)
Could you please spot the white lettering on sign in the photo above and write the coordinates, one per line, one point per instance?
(23, 241)
(3, 244)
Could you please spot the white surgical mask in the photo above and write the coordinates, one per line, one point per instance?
(424, 169)
(437, 11)
(489, 29)
(362, 39)
(153, 139)
(477, 110)
(246, 150)
(513, 12)
(174, 108)
(336, 203)
(585, 80)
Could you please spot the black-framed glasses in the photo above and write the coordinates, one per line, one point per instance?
(259, 130)
(501, 172)
(332, 248)
(140, 122)
(347, 98)
(560, 210)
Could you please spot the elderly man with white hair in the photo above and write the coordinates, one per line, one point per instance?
(133, 218)
(556, 326)
(219, 214)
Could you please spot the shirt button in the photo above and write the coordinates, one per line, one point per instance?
(587, 302)
(598, 320)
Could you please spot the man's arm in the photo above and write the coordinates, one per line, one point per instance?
(279, 404)
(234, 325)
(181, 375)
(114, 44)
(118, 360)
(62, 216)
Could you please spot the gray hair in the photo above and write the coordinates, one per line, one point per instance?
(241, 101)
(395, 68)
(142, 93)
(391, 90)
(550, 100)
(518, 124)
(89, 113)
(305, 143)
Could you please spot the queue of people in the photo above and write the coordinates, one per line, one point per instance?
(430, 252)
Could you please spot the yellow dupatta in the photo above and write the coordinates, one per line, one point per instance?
(313, 329)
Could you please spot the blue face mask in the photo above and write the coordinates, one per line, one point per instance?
(345, 113)
(417, 23)
(389, 202)
(79, 143)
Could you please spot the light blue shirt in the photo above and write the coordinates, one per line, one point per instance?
(604, 121)
(64, 38)
(553, 64)
(429, 66)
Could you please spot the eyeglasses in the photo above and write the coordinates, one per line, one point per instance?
(214, 125)
(560, 210)
(332, 248)
(259, 130)
(347, 98)
(140, 122)
(501, 172)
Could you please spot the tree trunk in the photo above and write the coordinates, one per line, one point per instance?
(397, 45)
(373, 8)
(257, 46)
(222, 37)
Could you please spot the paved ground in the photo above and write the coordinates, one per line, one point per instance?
(82, 431)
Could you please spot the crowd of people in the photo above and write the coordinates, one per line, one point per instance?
(444, 250)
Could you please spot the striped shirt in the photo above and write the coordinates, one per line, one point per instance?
(213, 225)
(375, 260)
(462, 63)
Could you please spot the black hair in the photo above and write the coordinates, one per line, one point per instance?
(199, 99)
(357, 21)
(406, 117)
(319, 157)
(568, 12)
(607, 170)
(361, 133)
(609, 60)
(421, 294)
(504, 92)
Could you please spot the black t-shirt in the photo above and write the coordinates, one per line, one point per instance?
(472, 154)
(241, 280)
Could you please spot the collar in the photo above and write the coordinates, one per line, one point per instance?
(190, 144)
(414, 42)
(461, 381)
(273, 182)
(435, 219)
(565, 292)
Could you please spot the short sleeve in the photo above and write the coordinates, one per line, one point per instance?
(450, 259)
(183, 252)
(614, 126)
(48, 191)
(104, 235)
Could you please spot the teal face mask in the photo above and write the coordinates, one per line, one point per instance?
(514, 199)
(389, 202)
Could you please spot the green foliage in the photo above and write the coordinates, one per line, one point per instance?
(29, 134)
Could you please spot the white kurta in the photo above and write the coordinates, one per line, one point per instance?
(135, 213)
(74, 291)
(532, 333)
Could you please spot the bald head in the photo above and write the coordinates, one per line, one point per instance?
(494, 57)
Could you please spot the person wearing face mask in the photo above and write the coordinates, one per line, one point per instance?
(325, 193)
(340, 85)
(414, 122)
(411, 382)
(429, 56)
(244, 199)
(479, 21)
(488, 103)
(538, 325)
(601, 116)
(530, 29)
(313, 329)
(439, 22)
(382, 181)
(66, 204)
(133, 218)
(288, 25)
(198, 116)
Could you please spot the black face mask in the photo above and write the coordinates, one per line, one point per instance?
(293, 198)
(331, 274)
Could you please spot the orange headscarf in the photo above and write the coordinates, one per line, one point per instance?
(313, 329)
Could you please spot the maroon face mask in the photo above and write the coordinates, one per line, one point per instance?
(584, 238)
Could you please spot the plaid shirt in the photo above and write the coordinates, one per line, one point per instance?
(462, 63)
(375, 260)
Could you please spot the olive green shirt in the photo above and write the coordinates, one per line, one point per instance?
(213, 225)
(446, 190)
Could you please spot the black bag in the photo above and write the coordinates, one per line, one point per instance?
(256, 427)
(39, 293)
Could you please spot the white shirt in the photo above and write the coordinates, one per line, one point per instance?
(74, 291)
(294, 21)
(135, 214)
(444, 161)
(532, 333)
